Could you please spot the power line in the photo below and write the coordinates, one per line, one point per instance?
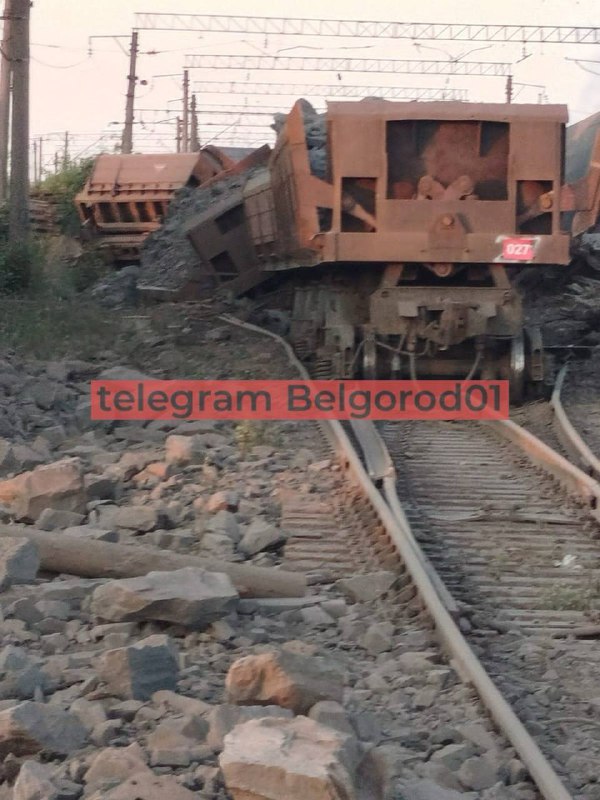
(542, 34)
(335, 90)
(303, 63)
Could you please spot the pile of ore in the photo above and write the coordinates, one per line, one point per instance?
(168, 258)
(565, 300)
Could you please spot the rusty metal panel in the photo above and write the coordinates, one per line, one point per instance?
(221, 238)
(582, 173)
(535, 151)
(142, 172)
(448, 110)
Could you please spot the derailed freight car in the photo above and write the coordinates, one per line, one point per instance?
(401, 246)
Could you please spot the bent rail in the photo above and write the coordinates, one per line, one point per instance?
(566, 433)
(397, 527)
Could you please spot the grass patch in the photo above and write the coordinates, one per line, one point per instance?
(49, 327)
(562, 597)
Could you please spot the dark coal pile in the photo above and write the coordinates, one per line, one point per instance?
(565, 301)
(117, 290)
(315, 126)
(168, 258)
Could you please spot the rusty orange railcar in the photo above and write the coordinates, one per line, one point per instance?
(402, 251)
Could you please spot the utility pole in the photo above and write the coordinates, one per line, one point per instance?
(194, 139)
(35, 161)
(178, 135)
(66, 151)
(509, 89)
(5, 80)
(40, 156)
(127, 141)
(185, 133)
(18, 223)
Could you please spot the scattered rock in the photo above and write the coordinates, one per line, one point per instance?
(19, 561)
(138, 518)
(141, 669)
(177, 742)
(183, 450)
(116, 764)
(29, 727)
(370, 586)
(35, 782)
(311, 761)
(189, 596)
(58, 485)
(222, 501)
(260, 535)
(378, 638)
(143, 786)
(225, 717)
(284, 679)
(52, 519)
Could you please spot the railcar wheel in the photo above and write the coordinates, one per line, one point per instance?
(369, 359)
(516, 373)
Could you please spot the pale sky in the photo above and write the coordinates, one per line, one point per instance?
(82, 93)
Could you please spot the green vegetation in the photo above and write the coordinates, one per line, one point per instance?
(42, 311)
(64, 185)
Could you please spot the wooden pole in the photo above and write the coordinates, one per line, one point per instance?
(178, 135)
(185, 132)
(66, 151)
(194, 138)
(5, 81)
(18, 224)
(40, 156)
(127, 141)
(74, 555)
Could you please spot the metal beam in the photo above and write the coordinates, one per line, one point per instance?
(335, 90)
(303, 63)
(541, 34)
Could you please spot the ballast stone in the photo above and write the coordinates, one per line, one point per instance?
(370, 586)
(116, 764)
(19, 562)
(190, 596)
(144, 786)
(293, 758)
(59, 486)
(29, 727)
(284, 679)
(35, 782)
(137, 671)
(260, 535)
(225, 717)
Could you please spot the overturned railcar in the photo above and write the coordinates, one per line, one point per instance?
(401, 246)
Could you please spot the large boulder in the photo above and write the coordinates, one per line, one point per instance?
(137, 671)
(59, 486)
(295, 759)
(19, 562)
(29, 727)
(189, 596)
(144, 786)
(284, 679)
(115, 764)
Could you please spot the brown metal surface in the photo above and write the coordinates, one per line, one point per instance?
(130, 194)
(582, 174)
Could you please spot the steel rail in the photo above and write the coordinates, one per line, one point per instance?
(571, 477)
(451, 639)
(566, 433)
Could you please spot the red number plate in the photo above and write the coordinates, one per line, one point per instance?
(517, 250)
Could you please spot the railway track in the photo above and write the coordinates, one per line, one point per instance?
(495, 538)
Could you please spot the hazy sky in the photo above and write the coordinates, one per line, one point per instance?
(82, 93)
